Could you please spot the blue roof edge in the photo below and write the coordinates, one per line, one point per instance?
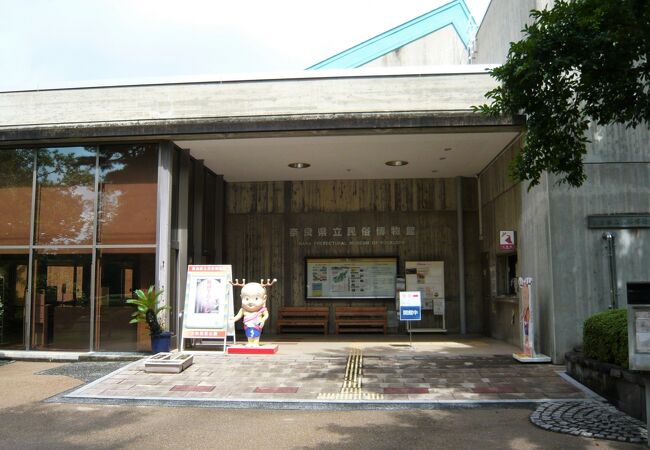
(454, 13)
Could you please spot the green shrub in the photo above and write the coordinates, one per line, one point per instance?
(605, 337)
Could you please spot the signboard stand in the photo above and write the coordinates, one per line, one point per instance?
(428, 277)
(208, 305)
(410, 309)
(527, 308)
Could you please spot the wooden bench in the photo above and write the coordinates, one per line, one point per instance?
(360, 319)
(303, 318)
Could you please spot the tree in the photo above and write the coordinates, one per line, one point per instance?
(581, 61)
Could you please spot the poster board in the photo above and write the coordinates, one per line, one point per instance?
(428, 278)
(350, 278)
(208, 303)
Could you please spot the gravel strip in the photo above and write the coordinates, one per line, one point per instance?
(86, 371)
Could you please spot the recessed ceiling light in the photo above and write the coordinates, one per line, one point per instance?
(442, 158)
(447, 149)
(397, 162)
(299, 165)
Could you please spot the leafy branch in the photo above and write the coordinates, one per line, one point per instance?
(582, 61)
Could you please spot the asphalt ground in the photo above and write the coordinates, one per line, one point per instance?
(28, 422)
(35, 413)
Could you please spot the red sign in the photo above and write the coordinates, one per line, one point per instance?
(507, 240)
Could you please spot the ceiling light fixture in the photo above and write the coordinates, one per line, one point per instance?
(299, 165)
(442, 158)
(396, 163)
(447, 149)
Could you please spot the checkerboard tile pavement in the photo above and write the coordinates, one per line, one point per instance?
(390, 378)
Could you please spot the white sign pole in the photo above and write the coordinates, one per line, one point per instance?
(410, 309)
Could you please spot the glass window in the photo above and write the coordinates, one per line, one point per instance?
(127, 198)
(16, 173)
(61, 303)
(68, 218)
(121, 272)
(65, 213)
(13, 290)
(507, 274)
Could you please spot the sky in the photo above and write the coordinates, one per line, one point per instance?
(64, 43)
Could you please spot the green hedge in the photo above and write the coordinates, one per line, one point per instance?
(605, 337)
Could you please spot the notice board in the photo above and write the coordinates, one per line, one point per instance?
(350, 278)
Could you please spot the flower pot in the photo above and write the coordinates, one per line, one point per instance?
(161, 342)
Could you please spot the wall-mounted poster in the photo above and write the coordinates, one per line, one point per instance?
(208, 302)
(428, 277)
(351, 278)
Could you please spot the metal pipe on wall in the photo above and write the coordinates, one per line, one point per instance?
(611, 256)
(480, 208)
(461, 255)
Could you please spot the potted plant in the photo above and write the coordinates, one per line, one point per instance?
(147, 313)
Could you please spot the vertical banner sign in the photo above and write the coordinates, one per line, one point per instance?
(208, 302)
(527, 308)
(410, 305)
(527, 331)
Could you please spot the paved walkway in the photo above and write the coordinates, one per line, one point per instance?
(358, 372)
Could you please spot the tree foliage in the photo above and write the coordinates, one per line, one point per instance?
(581, 61)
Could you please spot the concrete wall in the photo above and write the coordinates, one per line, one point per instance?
(567, 260)
(500, 208)
(440, 47)
(537, 261)
(618, 171)
(502, 24)
(511, 206)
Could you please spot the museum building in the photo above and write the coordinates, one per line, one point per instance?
(373, 153)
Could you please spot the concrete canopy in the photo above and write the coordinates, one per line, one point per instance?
(428, 155)
(347, 124)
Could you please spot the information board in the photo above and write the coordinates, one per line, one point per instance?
(208, 302)
(350, 278)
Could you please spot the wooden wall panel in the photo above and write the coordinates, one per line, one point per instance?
(264, 240)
